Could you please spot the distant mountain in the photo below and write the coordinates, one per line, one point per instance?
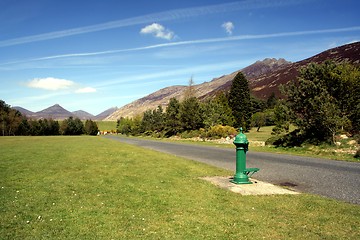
(105, 113)
(264, 79)
(23, 111)
(83, 115)
(264, 85)
(56, 112)
(263, 67)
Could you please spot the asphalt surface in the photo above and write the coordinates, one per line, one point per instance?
(330, 178)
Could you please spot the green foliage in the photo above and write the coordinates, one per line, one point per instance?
(292, 139)
(13, 123)
(10, 119)
(220, 131)
(43, 127)
(71, 126)
(153, 120)
(325, 100)
(217, 112)
(91, 127)
(271, 101)
(257, 105)
(191, 114)
(172, 118)
(125, 126)
(240, 103)
(269, 117)
(258, 120)
(281, 117)
(357, 154)
(191, 133)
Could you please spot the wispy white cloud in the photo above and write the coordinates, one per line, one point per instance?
(86, 90)
(158, 17)
(50, 83)
(158, 31)
(199, 41)
(228, 26)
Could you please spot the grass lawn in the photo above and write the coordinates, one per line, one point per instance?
(94, 188)
(106, 125)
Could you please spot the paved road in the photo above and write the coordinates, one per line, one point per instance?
(335, 179)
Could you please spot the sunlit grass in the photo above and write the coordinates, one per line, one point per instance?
(106, 125)
(94, 188)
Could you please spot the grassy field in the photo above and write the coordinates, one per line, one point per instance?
(106, 125)
(94, 188)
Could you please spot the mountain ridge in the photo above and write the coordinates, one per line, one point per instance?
(57, 112)
(162, 96)
(264, 79)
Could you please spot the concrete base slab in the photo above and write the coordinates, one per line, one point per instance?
(256, 188)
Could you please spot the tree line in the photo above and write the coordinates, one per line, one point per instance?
(219, 116)
(321, 103)
(13, 123)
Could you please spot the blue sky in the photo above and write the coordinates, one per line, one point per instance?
(93, 55)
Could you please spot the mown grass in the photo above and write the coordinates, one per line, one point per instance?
(94, 188)
(106, 125)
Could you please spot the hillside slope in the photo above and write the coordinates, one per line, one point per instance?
(264, 79)
(162, 96)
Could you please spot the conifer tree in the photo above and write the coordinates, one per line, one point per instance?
(239, 101)
(190, 114)
(172, 117)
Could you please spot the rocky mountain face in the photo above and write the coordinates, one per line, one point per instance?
(264, 79)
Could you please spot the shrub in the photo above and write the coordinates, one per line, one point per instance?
(357, 154)
(295, 138)
(220, 131)
(190, 134)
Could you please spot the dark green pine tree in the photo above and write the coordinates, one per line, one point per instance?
(239, 101)
(190, 114)
(172, 117)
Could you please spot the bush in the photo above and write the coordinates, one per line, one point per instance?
(157, 134)
(190, 134)
(357, 154)
(293, 139)
(220, 131)
(357, 138)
